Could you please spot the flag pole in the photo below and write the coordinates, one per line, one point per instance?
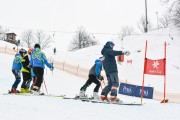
(142, 93)
(165, 72)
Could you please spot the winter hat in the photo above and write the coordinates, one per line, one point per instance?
(30, 50)
(102, 58)
(37, 46)
(109, 43)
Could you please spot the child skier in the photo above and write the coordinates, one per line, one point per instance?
(16, 69)
(26, 72)
(38, 59)
(94, 75)
(33, 77)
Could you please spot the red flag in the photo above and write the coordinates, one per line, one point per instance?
(154, 67)
(129, 61)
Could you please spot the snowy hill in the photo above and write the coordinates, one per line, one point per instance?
(13, 107)
(85, 57)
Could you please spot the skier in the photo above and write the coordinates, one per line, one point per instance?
(94, 76)
(111, 71)
(54, 50)
(26, 72)
(33, 77)
(38, 59)
(16, 70)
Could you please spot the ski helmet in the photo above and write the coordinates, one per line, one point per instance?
(21, 51)
(37, 46)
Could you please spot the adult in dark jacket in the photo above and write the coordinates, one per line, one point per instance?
(94, 75)
(111, 71)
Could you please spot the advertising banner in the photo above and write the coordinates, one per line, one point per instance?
(148, 92)
(133, 90)
(127, 89)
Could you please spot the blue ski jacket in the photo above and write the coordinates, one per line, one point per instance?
(17, 65)
(96, 68)
(38, 59)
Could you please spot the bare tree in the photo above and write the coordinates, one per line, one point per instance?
(141, 24)
(81, 40)
(42, 39)
(3, 33)
(27, 38)
(125, 31)
(176, 13)
(174, 9)
(165, 20)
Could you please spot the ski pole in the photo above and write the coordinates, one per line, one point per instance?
(52, 60)
(101, 85)
(104, 82)
(52, 70)
(45, 86)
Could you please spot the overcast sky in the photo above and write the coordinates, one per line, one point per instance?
(97, 16)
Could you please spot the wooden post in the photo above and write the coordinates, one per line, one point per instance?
(63, 65)
(5, 48)
(77, 70)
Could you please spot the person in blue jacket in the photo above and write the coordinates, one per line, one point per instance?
(37, 62)
(94, 76)
(16, 69)
(111, 71)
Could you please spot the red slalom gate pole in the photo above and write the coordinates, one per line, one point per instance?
(142, 93)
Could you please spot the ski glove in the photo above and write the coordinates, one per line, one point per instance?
(127, 53)
(30, 66)
(101, 78)
(52, 68)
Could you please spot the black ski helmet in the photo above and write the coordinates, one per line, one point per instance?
(21, 51)
(37, 46)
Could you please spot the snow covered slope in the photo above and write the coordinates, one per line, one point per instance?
(51, 108)
(14, 107)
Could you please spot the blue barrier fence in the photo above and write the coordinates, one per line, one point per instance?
(133, 90)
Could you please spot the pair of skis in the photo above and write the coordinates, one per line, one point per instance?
(117, 103)
(31, 94)
(87, 99)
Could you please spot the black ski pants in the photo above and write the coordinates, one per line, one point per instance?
(26, 79)
(39, 73)
(92, 78)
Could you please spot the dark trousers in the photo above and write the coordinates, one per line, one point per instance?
(26, 80)
(91, 79)
(113, 81)
(39, 73)
(17, 74)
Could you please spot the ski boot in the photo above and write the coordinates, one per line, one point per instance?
(35, 90)
(22, 90)
(96, 96)
(14, 91)
(104, 98)
(114, 99)
(82, 95)
(27, 90)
